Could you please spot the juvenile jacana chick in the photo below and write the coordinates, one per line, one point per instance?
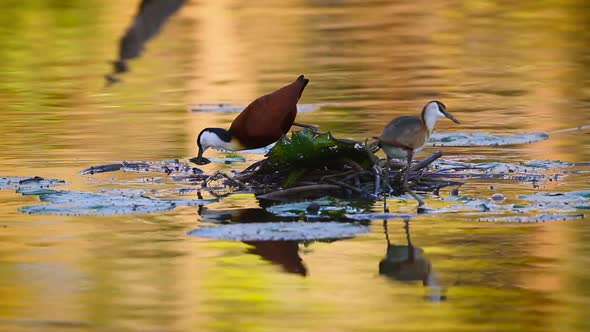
(261, 123)
(406, 135)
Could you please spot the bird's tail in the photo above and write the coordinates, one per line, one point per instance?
(304, 82)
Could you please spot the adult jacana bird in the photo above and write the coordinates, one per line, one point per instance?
(261, 123)
(404, 136)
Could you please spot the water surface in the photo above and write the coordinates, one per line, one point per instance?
(500, 68)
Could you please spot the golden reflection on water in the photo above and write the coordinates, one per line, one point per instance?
(499, 67)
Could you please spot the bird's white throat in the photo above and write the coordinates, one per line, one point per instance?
(211, 140)
(431, 114)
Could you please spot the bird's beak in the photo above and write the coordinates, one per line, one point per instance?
(200, 160)
(200, 157)
(450, 116)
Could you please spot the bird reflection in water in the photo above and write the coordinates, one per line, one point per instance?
(408, 263)
(282, 253)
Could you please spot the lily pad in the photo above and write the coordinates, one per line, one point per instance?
(379, 215)
(552, 203)
(537, 218)
(535, 170)
(573, 200)
(228, 159)
(236, 108)
(547, 164)
(500, 167)
(550, 197)
(484, 139)
(164, 166)
(67, 202)
(280, 231)
(326, 207)
(18, 182)
(471, 205)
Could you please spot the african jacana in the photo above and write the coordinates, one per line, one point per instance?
(261, 123)
(406, 135)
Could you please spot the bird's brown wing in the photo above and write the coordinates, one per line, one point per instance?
(406, 132)
(267, 118)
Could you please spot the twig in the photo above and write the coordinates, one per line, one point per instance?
(569, 129)
(377, 180)
(306, 183)
(352, 164)
(345, 185)
(425, 162)
(325, 177)
(356, 177)
(413, 194)
(236, 182)
(255, 165)
(245, 176)
(282, 195)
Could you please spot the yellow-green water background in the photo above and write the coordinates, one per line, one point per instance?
(500, 67)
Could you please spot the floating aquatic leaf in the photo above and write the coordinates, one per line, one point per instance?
(500, 167)
(212, 215)
(547, 164)
(164, 166)
(17, 182)
(483, 139)
(497, 197)
(66, 202)
(325, 207)
(379, 215)
(548, 202)
(280, 231)
(217, 108)
(537, 218)
(236, 108)
(308, 149)
(470, 205)
(551, 197)
(102, 169)
(228, 159)
(532, 171)
(127, 192)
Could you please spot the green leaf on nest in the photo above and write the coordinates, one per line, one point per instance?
(311, 150)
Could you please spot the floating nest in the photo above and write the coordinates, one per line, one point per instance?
(310, 165)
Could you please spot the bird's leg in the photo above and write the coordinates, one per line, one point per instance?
(406, 174)
(386, 233)
(386, 186)
(381, 176)
(377, 179)
(308, 126)
(411, 252)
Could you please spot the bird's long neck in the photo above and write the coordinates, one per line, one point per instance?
(429, 119)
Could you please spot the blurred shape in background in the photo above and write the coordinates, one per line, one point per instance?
(147, 23)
